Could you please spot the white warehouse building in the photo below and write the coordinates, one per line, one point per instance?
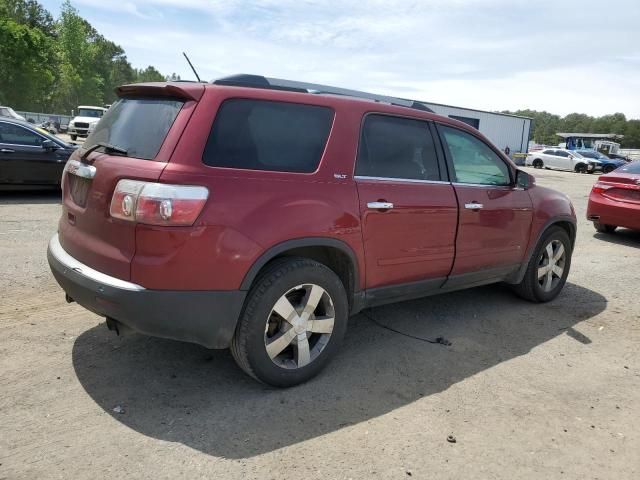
(502, 129)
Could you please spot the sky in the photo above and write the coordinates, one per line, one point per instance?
(561, 56)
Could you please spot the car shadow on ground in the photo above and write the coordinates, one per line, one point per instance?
(30, 197)
(622, 236)
(184, 393)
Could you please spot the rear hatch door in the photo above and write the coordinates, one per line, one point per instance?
(144, 125)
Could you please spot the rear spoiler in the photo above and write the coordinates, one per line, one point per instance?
(182, 90)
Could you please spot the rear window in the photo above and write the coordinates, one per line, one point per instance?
(138, 125)
(267, 135)
(631, 168)
(393, 147)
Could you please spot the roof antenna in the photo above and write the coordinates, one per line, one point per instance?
(191, 65)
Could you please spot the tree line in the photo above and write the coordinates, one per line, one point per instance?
(53, 65)
(546, 125)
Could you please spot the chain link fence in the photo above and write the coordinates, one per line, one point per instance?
(59, 121)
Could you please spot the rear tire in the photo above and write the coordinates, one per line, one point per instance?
(282, 339)
(603, 228)
(537, 163)
(548, 267)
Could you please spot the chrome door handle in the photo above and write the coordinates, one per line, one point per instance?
(380, 205)
(473, 206)
(6, 150)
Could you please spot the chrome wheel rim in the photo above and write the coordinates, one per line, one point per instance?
(551, 265)
(299, 326)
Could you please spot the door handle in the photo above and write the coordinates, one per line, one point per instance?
(473, 206)
(380, 205)
(6, 150)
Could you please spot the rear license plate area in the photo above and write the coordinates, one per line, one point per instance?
(79, 189)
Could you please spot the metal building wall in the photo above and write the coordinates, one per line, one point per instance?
(502, 130)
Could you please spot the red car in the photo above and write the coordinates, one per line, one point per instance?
(615, 200)
(259, 215)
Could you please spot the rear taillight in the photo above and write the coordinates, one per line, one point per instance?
(601, 187)
(157, 203)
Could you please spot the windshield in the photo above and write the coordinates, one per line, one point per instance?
(89, 112)
(590, 154)
(137, 125)
(576, 154)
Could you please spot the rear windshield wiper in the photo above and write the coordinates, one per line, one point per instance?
(108, 148)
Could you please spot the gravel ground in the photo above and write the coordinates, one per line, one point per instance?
(528, 391)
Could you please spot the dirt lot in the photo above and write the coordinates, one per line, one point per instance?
(528, 391)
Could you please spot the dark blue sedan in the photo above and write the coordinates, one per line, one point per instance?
(608, 164)
(29, 156)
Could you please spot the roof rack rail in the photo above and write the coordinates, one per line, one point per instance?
(259, 81)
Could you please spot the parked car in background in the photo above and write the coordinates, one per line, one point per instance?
(615, 200)
(29, 156)
(8, 112)
(617, 156)
(563, 159)
(608, 164)
(260, 218)
(79, 125)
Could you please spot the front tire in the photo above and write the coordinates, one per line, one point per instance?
(293, 323)
(608, 168)
(537, 163)
(581, 168)
(548, 267)
(73, 137)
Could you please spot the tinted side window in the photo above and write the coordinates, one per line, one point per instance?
(393, 147)
(16, 135)
(548, 152)
(560, 153)
(473, 160)
(265, 135)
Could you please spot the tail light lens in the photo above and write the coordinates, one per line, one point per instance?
(601, 187)
(157, 203)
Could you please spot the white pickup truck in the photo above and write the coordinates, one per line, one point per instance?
(87, 115)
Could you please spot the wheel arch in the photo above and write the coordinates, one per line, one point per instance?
(567, 223)
(335, 254)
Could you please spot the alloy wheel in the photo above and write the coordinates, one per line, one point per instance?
(299, 326)
(551, 265)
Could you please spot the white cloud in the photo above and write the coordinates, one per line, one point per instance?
(491, 54)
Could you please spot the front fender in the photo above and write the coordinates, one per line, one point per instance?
(550, 207)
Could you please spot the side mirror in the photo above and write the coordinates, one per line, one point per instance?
(49, 145)
(524, 180)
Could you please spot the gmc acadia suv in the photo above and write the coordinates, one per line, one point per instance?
(259, 216)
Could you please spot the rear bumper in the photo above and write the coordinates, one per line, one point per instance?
(205, 317)
(611, 212)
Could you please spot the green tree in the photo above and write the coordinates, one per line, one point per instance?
(80, 80)
(149, 74)
(29, 13)
(28, 66)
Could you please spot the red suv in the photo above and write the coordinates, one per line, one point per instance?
(259, 215)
